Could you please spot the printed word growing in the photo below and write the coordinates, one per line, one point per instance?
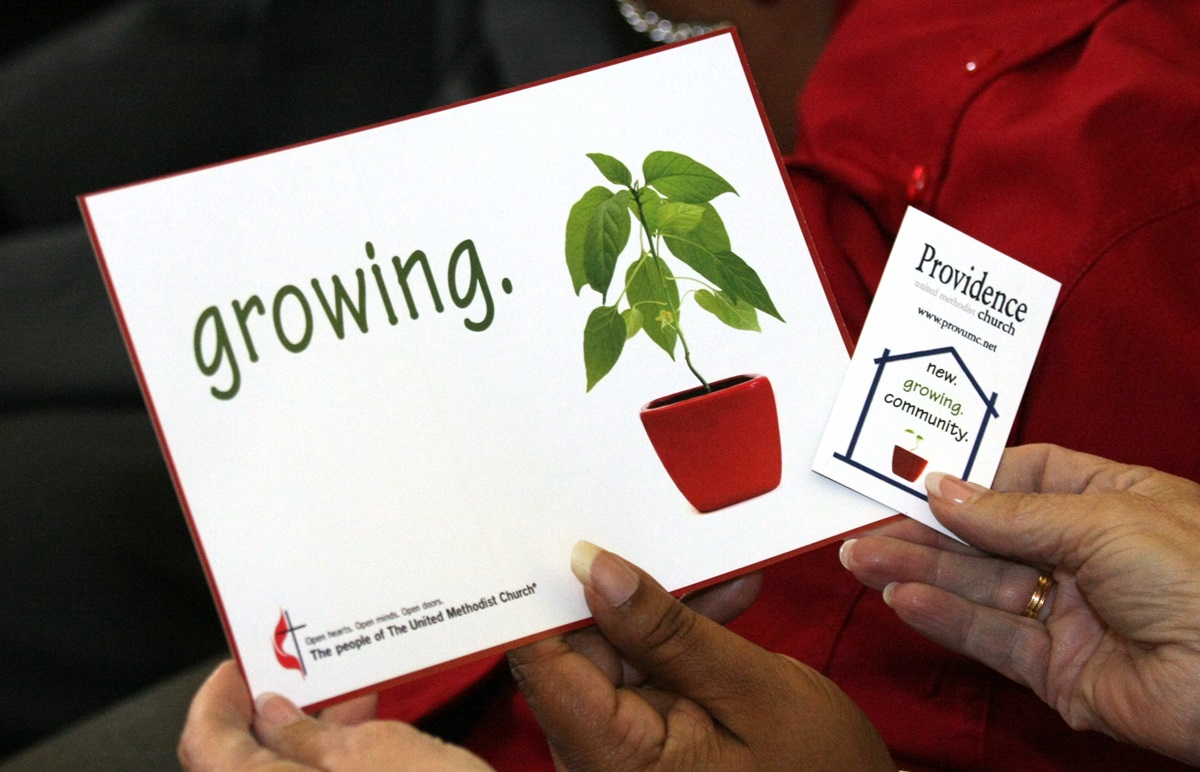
(293, 321)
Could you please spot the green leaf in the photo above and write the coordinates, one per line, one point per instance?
(699, 248)
(696, 256)
(679, 177)
(633, 321)
(651, 289)
(578, 222)
(603, 339)
(677, 219)
(605, 238)
(615, 171)
(711, 231)
(737, 314)
(742, 282)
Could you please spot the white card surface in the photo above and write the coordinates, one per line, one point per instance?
(939, 369)
(381, 481)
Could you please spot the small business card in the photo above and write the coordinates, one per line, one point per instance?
(939, 370)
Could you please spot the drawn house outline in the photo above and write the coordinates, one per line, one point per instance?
(989, 404)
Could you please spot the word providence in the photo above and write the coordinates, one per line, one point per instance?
(976, 289)
(211, 325)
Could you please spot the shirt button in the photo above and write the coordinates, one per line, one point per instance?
(917, 183)
(982, 59)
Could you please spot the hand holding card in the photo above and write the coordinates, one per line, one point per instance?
(383, 366)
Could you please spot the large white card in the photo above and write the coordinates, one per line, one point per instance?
(368, 358)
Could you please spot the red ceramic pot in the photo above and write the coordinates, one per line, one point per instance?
(720, 446)
(907, 464)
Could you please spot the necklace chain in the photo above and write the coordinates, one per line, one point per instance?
(662, 30)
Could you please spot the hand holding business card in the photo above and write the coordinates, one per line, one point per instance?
(940, 367)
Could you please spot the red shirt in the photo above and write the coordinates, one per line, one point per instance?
(1067, 135)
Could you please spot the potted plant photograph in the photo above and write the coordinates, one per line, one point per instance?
(719, 441)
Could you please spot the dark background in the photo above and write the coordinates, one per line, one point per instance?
(101, 592)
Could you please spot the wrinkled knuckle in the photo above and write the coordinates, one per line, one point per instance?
(519, 663)
(525, 662)
(1127, 476)
(810, 681)
(667, 637)
(519, 670)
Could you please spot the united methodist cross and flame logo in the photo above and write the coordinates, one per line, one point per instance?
(284, 629)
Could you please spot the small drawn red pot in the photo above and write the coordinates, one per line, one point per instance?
(720, 446)
(907, 464)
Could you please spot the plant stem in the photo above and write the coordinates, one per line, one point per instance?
(687, 354)
(687, 357)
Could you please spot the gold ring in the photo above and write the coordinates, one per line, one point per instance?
(1040, 592)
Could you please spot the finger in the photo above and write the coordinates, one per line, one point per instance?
(682, 651)
(1022, 468)
(878, 561)
(1036, 528)
(286, 730)
(216, 734)
(910, 530)
(351, 712)
(592, 645)
(722, 603)
(1013, 645)
(587, 720)
(726, 601)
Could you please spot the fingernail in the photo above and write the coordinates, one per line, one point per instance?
(842, 553)
(610, 576)
(951, 489)
(276, 710)
(887, 593)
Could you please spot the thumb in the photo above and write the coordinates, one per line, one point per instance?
(1036, 528)
(684, 651)
(681, 650)
(283, 728)
(591, 723)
